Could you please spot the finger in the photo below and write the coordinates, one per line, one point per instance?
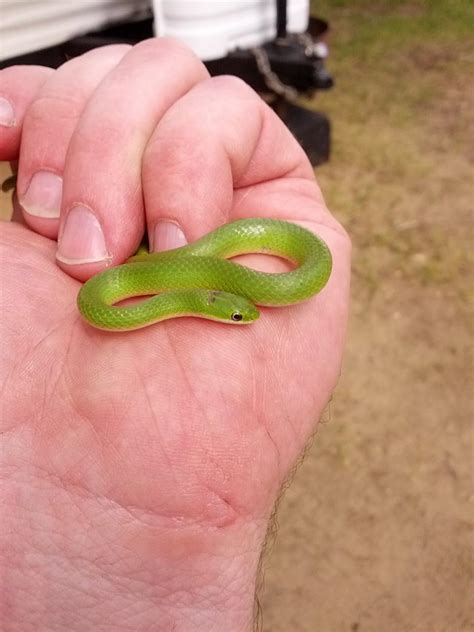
(209, 152)
(47, 129)
(18, 87)
(103, 218)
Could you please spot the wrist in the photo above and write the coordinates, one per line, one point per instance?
(74, 562)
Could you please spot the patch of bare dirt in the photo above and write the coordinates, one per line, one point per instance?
(376, 531)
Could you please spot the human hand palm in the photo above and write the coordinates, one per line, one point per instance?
(146, 416)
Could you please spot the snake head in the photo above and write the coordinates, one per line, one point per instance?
(230, 308)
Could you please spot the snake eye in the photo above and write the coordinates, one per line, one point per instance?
(236, 317)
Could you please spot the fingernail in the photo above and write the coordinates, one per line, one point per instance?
(167, 236)
(82, 239)
(7, 115)
(43, 195)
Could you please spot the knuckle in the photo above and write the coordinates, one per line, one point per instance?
(111, 50)
(233, 85)
(165, 46)
(163, 54)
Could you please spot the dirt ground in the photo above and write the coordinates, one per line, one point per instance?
(375, 532)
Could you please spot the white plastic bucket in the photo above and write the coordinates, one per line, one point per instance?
(213, 28)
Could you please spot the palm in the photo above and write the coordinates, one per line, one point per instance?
(187, 419)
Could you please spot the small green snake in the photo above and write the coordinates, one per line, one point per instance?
(198, 280)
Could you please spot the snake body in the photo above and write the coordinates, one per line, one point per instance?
(198, 280)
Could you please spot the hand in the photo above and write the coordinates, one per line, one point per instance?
(139, 470)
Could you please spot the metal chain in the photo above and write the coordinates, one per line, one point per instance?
(313, 48)
(272, 80)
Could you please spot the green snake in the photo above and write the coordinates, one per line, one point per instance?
(198, 280)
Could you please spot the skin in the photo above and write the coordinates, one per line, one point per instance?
(139, 471)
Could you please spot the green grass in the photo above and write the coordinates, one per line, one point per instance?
(400, 172)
